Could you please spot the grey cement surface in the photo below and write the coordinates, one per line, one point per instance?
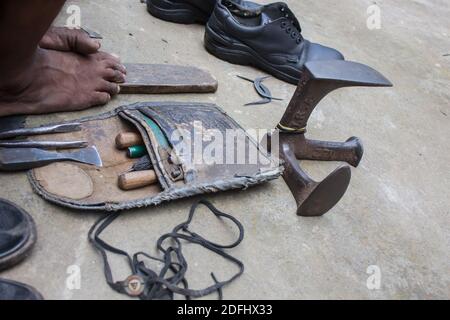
(395, 214)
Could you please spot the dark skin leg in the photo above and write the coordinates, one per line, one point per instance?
(35, 80)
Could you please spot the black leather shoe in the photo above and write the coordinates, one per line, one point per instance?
(267, 37)
(11, 290)
(182, 11)
(17, 234)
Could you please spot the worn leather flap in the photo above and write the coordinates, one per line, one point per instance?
(175, 134)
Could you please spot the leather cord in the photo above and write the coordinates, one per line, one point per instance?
(159, 285)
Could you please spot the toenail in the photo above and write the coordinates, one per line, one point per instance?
(118, 89)
(115, 55)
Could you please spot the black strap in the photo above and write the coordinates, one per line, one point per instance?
(161, 285)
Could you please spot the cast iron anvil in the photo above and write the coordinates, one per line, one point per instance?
(319, 79)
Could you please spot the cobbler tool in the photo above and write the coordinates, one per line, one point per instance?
(258, 103)
(165, 78)
(261, 89)
(43, 144)
(179, 176)
(137, 179)
(135, 152)
(61, 128)
(12, 122)
(64, 128)
(143, 163)
(170, 162)
(133, 143)
(158, 133)
(125, 140)
(16, 159)
(92, 34)
(319, 79)
(139, 175)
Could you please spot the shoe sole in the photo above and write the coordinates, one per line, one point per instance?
(21, 253)
(236, 52)
(34, 294)
(189, 15)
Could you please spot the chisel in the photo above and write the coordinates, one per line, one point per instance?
(43, 144)
(17, 159)
(60, 128)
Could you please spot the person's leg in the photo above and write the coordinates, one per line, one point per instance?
(36, 80)
(22, 26)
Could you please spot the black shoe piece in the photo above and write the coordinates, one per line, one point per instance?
(182, 11)
(17, 234)
(266, 37)
(11, 290)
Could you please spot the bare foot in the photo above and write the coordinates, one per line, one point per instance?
(61, 81)
(65, 39)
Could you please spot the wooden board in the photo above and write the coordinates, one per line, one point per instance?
(165, 78)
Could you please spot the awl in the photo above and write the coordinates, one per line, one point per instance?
(43, 144)
(60, 128)
(17, 159)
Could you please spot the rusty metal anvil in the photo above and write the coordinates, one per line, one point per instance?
(319, 79)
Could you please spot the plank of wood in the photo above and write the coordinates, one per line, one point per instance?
(165, 78)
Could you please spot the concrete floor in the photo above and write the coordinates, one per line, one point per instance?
(395, 214)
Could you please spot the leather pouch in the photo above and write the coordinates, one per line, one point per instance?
(174, 135)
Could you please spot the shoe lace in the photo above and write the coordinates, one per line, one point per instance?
(291, 25)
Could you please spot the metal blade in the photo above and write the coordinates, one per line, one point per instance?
(17, 159)
(61, 128)
(92, 34)
(87, 155)
(264, 101)
(144, 163)
(245, 78)
(269, 95)
(347, 72)
(43, 144)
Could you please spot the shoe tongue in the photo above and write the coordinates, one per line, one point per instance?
(243, 8)
(274, 11)
(266, 13)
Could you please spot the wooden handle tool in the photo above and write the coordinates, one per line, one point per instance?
(135, 152)
(137, 179)
(125, 140)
